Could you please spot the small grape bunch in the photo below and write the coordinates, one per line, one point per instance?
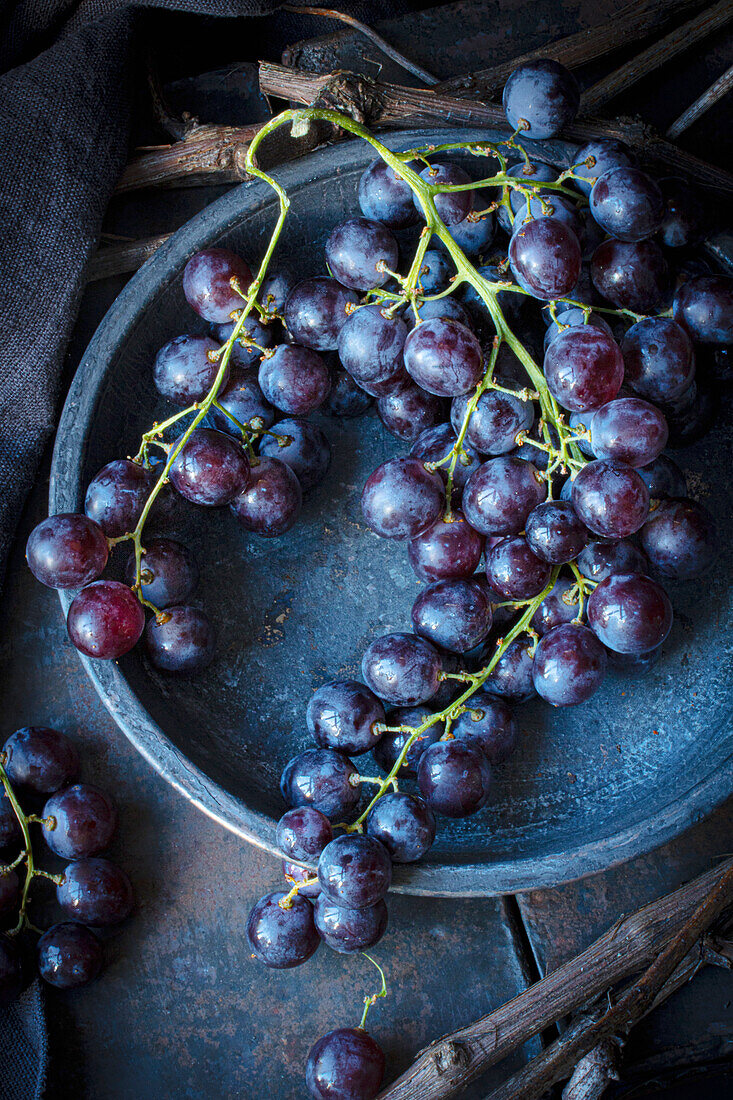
(39, 766)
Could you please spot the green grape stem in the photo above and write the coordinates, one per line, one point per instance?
(26, 856)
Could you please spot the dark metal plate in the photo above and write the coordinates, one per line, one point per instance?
(587, 788)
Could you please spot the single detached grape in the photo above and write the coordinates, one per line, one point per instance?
(345, 1064)
(105, 620)
(183, 642)
(560, 605)
(584, 368)
(245, 401)
(303, 447)
(569, 665)
(704, 307)
(117, 495)
(370, 344)
(627, 203)
(436, 443)
(408, 411)
(682, 223)
(210, 469)
(303, 833)
(402, 669)
(630, 613)
(207, 283)
(316, 311)
(40, 759)
(384, 196)
(598, 157)
(362, 253)
(347, 399)
(554, 532)
(69, 956)
(454, 778)
(185, 369)
(348, 930)
(401, 499)
(499, 497)
(610, 498)
(443, 357)
(390, 747)
(680, 539)
(169, 572)
(354, 871)
(294, 380)
(452, 614)
(9, 895)
(78, 821)
(11, 970)
(323, 779)
(95, 891)
(663, 478)
(247, 347)
(629, 429)
(272, 501)
(489, 725)
(66, 551)
(404, 824)
(452, 206)
(343, 714)
(514, 570)
(540, 97)
(282, 937)
(448, 549)
(511, 676)
(495, 422)
(659, 362)
(604, 557)
(545, 258)
(631, 274)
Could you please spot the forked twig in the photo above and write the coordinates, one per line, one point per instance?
(715, 92)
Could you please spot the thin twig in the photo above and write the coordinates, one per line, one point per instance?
(384, 46)
(715, 92)
(118, 259)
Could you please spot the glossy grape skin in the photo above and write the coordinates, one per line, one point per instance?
(680, 539)
(169, 572)
(321, 778)
(453, 206)
(607, 154)
(210, 469)
(354, 871)
(207, 287)
(658, 358)
(452, 614)
(183, 372)
(69, 956)
(9, 891)
(409, 410)
(498, 498)
(630, 430)
(11, 970)
(604, 557)
(348, 930)
(610, 498)
(370, 344)
(404, 824)
(10, 833)
(66, 550)
(573, 318)
(433, 444)
(316, 311)
(545, 258)
(253, 336)
(474, 234)
(391, 745)
(630, 613)
(489, 725)
(357, 251)
(117, 495)
(244, 399)
(295, 380)
(704, 307)
(443, 357)
(584, 368)
(385, 197)
(540, 97)
(345, 1064)
(95, 891)
(682, 221)
(280, 937)
(342, 715)
(303, 833)
(79, 821)
(446, 550)
(435, 271)
(40, 759)
(272, 501)
(401, 499)
(627, 203)
(514, 570)
(304, 877)
(105, 620)
(554, 532)
(402, 669)
(495, 422)
(569, 665)
(184, 643)
(663, 478)
(276, 287)
(441, 309)
(347, 399)
(555, 608)
(454, 778)
(511, 676)
(631, 275)
(308, 452)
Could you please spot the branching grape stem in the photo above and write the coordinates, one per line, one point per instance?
(26, 856)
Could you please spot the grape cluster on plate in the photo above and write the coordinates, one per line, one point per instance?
(537, 502)
(38, 771)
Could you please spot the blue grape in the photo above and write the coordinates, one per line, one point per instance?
(449, 548)
(404, 824)
(630, 430)
(323, 779)
(348, 930)
(184, 371)
(244, 399)
(342, 714)
(495, 422)
(184, 643)
(627, 203)
(408, 411)
(545, 258)
(303, 833)
(631, 274)
(569, 665)
(272, 501)
(554, 532)
(307, 451)
(559, 606)
(659, 362)
(443, 357)
(489, 725)
(452, 206)
(604, 557)
(540, 97)
(253, 335)
(361, 253)
(207, 283)
(370, 344)
(704, 307)
(584, 368)
(355, 871)
(610, 498)
(169, 573)
(514, 570)
(604, 155)
(402, 669)
(294, 380)
(663, 478)
(630, 613)
(433, 444)
(316, 311)
(385, 197)
(452, 614)
(499, 496)
(280, 937)
(401, 498)
(680, 539)
(454, 778)
(345, 1064)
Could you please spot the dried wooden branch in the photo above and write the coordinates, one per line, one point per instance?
(681, 38)
(394, 105)
(450, 1063)
(594, 1073)
(708, 99)
(206, 154)
(119, 259)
